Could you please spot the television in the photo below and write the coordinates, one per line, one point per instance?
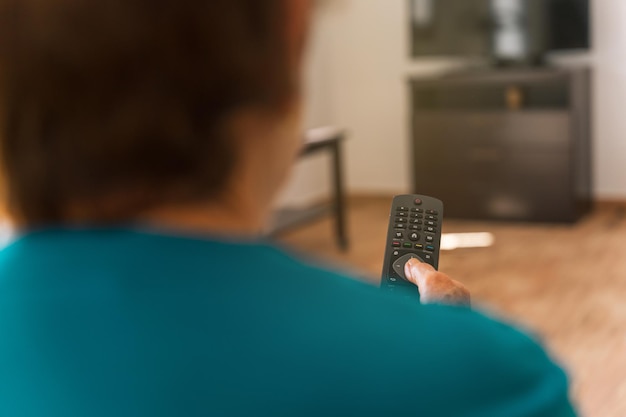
(506, 31)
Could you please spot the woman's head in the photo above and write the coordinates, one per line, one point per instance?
(111, 108)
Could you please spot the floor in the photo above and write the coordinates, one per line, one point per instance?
(565, 282)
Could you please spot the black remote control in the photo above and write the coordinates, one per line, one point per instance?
(414, 232)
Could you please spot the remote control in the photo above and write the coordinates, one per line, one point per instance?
(414, 232)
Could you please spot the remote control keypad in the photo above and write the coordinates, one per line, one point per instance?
(415, 231)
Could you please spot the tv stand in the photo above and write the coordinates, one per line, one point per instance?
(510, 144)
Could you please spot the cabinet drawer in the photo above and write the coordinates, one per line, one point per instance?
(548, 91)
(535, 186)
(477, 133)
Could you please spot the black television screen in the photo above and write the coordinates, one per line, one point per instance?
(450, 27)
(528, 28)
(568, 24)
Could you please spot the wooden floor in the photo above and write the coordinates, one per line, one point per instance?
(565, 282)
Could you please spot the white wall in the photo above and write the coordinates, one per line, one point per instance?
(369, 90)
(310, 180)
(360, 81)
(368, 93)
(609, 59)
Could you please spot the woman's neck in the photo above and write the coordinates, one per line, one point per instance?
(234, 217)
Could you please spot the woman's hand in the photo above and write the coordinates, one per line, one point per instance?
(436, 287)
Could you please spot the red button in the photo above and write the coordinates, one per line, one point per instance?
(396, 244)
(418, 202)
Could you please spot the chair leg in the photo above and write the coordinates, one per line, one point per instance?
(339, 204)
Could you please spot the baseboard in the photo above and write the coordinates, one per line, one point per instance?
(609, 204)
(597, 204)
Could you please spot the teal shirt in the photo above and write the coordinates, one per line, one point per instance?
(129, 323)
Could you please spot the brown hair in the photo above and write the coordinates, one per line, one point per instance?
(118, 105)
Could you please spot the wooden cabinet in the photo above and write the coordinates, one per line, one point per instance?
(504, 145)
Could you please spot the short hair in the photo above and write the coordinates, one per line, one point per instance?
(118, 106)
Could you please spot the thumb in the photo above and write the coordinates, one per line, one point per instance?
(417, 271)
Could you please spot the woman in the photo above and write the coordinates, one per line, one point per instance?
(143, 142)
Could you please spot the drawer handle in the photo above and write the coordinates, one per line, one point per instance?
(514, 97)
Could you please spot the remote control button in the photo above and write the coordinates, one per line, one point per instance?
(435, 212)
(431, 217)
(414, 236)
(408, 245)
(430, 239)
(419, 246)
(417, 210)
(398, 264)
(396, 252)
(434, 224)
(401, 214)
(400, 226)
(428, 258)
(415, 227)
(396, 244)
(393, 279)
(402, 208)
(430, 248)
(416, 221)
(400, 219)
(431, 230)
(417, 216)
(399, 235)
(418, 202)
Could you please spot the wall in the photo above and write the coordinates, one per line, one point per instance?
(310, 179)
(370, 68)
(366, 64)
(609, 60)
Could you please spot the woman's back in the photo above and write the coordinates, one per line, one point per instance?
(127, 323)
